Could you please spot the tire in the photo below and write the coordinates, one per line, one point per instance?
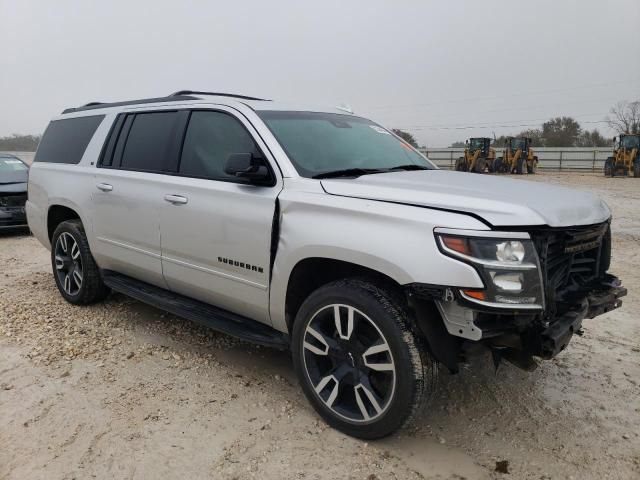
(480, 165)
(533, 168)
(461, 165)
(75, 271)
(521, 166)
(336, 372)
(608, 167)
(636, 169)
(497, 165)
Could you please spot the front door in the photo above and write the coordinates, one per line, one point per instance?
(216, 228)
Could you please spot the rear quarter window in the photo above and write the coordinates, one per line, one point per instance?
(64, 141)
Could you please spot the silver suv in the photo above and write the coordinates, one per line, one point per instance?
(318, 231)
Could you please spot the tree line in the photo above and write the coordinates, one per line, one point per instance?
(567, 132)
(19, 143)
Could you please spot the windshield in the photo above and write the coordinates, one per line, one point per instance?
(518, 143)
(630, 141)
(10, 164)
(319, 143)
(476, 144)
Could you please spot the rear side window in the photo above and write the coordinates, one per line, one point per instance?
(211, 138)
(148, 141)
(64, 141)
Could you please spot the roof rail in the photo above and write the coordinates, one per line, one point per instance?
(233, 95)
(99, 105)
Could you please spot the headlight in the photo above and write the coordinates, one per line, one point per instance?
(508, 267)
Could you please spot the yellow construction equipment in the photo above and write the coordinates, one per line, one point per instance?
(478, 156)
(517, 157)
(626, 158)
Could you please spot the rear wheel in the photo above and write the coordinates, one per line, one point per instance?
(358, 362)
(521, 166)
(533, 167)
(498, 165)
(636, 169)
(74, 269)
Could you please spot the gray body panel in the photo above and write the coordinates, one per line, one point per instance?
(500, 201)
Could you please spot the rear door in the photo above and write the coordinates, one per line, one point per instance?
(216, 228)
(128, 193)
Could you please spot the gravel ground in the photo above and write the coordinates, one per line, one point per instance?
(123, 390)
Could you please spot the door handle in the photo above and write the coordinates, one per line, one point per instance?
(176, 199)
(105, 187)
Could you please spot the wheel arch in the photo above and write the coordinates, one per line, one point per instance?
(310, 273)
(56, 214)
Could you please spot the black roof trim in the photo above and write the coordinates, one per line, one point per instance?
(98, 105)
(233, 95)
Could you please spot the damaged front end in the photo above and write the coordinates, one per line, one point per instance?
(539, 287)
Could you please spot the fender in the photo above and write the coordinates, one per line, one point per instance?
(393, 239)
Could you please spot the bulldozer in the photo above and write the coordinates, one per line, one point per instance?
(626, 157)
(517, 157)
(478, 156)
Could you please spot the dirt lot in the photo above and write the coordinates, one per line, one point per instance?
(122, 390)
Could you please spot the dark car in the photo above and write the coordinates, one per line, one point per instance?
(14, 174)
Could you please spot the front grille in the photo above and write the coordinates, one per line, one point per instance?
(571, 259)
(13, 200)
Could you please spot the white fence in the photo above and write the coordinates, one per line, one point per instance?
(575, 158)
(570, 158)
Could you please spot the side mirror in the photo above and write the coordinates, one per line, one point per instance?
(249, 166)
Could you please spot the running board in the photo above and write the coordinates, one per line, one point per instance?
(196, 311)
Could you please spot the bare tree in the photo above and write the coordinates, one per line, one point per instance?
(625, 117)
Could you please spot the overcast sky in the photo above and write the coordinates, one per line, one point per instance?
(429, 67)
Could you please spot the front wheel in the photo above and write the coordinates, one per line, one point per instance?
(521, 166)
(358, 361)
(608, 167)
(461, 165)
(480, 165)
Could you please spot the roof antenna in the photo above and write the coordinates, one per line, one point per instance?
(345, 108)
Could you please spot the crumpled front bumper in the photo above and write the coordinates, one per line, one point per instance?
(602, 298)
(12, 217)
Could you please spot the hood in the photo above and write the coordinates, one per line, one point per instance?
(13, 176)
(18, 187)
(499, 201)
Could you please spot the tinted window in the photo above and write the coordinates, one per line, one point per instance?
(64, 141)
(211, 138)
(148, 141)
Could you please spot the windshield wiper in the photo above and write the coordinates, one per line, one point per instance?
(349, 172)
(356, 172)
(408, 167)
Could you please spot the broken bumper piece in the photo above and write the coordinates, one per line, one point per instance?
(601, 299)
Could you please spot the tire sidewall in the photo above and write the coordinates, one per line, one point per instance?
(78, 235)
(404, 394)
